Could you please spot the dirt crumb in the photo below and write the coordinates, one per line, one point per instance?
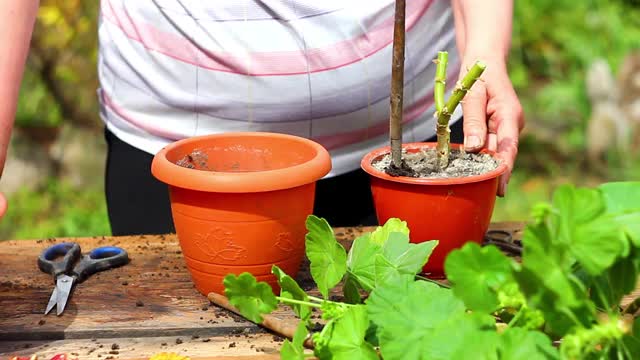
(277, 338)
(139, 303)
(232, 345)
(41, 322)
(178, 341)
(115, 347)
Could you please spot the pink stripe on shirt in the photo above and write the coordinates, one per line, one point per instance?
(262, 63)
(410, 114)
(330, 142)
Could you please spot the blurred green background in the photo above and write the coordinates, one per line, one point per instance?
(554, 43)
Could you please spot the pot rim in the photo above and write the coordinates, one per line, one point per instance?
(376, 153)
(241, 182)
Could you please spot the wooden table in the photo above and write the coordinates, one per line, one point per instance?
(131, 312)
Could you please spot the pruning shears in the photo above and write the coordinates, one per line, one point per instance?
(66, 275)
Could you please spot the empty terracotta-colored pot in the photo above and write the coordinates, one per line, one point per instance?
(243, 203)
(453, 211)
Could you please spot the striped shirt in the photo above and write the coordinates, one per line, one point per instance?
(171, 69)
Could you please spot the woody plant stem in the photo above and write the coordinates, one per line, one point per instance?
(397, 85)
(444, 111)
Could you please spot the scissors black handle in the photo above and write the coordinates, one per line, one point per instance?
(100, 259)
(47, 260)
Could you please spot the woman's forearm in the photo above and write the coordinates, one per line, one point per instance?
(483, 28)
(17, 18)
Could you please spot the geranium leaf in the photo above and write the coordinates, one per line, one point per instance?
(598, 243)
(546, 280)
(407, 257)
(294, 350)
(368, 269)
(290, 289)
(621, 196)
(328, 258)
(351, 292)
(360, 261)
(252, 298)
(623, 202)
(631, 341)
(477, 274)
(381, 233)
(426, 316)
(608, 288)
(578, 205)
(347, 338)
(581, 226)
(521, 344)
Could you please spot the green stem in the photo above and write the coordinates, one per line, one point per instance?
(316, 299)
(297, 302)
(433, 281)
(517, 317)
(442, 128)
(441, 78)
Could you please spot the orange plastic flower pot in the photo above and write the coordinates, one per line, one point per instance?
(453, 211)
(247, 211)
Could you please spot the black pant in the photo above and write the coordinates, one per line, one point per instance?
(139, 204)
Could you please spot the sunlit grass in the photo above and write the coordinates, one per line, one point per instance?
(57, 210)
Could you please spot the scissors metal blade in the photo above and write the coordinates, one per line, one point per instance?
(63, 286)
(53, 300)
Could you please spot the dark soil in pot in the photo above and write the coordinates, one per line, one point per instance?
(424, 164)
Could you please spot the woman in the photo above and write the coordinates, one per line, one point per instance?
(171, 69)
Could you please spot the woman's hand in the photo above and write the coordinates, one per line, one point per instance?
(493, 115)
(3, 205)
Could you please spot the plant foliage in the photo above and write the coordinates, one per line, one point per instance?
(562, 301)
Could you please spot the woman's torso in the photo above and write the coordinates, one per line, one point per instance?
(171, 69)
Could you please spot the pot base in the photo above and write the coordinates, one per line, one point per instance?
(453, 211)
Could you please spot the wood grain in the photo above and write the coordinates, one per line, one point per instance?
(233, 346)
(108, 303)
(103, 309)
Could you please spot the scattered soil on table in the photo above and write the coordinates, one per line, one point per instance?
(194, 160)
(424, 164)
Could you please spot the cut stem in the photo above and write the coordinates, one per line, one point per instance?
(397, 84)
(444, 115)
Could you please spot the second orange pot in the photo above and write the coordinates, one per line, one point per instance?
(246, 211)
(452, 211)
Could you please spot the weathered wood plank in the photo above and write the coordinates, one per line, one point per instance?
(148, 303)
(151, 296)
(233, 346)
